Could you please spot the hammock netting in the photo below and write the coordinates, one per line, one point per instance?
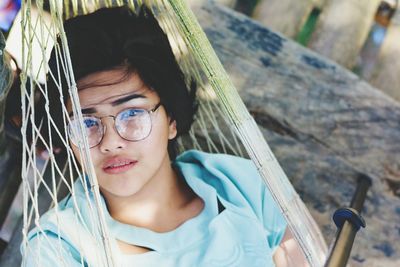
(222, 124)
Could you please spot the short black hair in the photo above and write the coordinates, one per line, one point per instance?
(117, 37)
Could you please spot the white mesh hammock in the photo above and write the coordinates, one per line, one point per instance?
(223, 123)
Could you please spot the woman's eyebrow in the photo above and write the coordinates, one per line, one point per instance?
(113, 103)
(126, 99)
(88, 110)
(84, 111)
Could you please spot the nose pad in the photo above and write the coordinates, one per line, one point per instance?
(111, 139)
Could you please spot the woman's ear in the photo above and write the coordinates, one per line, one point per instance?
(172, 129)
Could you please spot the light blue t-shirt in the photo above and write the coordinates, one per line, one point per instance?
(245, 233)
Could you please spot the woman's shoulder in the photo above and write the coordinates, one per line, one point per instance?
(62, 219)
(63, 228)
(49, 222)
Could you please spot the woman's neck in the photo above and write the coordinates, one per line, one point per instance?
(164, 203)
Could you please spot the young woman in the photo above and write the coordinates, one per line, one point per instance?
(196, 209)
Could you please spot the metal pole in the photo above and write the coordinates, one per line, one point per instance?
(348, 221)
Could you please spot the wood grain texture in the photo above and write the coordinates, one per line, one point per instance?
(324, 124)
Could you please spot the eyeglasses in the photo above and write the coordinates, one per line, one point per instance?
(132, 124)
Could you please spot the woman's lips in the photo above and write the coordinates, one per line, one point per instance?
(118, 165)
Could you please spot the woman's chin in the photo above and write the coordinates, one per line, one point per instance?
(120, 190)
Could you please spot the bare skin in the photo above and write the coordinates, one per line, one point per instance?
(147, 193)
(289, 254)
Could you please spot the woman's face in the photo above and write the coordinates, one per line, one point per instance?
(124, 168)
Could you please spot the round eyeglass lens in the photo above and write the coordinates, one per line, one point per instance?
(133, 124)
(93, 129)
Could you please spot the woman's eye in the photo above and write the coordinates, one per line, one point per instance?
(127, 114)
(89, 123)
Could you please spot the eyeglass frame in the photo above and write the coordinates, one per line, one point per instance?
(149, 112)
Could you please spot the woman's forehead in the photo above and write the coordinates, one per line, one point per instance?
(107, 77)
(110, 86)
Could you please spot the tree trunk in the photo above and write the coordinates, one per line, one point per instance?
(386, 75)
(284, 16)
(342, 29)
(228, 3)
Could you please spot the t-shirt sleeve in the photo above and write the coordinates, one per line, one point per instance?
(47, 250)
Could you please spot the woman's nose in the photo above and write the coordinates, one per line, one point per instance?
(111, 141)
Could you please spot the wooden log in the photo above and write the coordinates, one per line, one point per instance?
(284, 16)
(342, 29)
(386, 75)
(324, 124)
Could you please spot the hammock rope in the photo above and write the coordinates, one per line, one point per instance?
(222, 125)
